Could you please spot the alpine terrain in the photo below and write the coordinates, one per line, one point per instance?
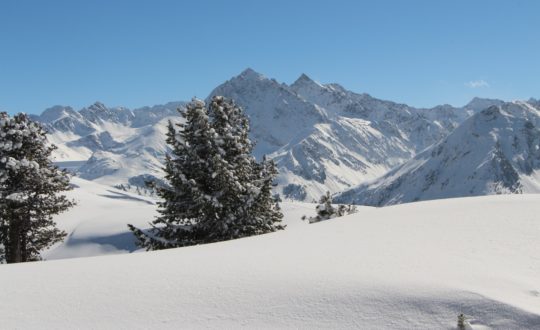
(496, 151)
(322, 136)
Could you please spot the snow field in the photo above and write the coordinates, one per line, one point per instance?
(412, 266)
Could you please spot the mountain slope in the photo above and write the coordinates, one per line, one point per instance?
(495, 151)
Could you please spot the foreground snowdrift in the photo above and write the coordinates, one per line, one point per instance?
(413, 266)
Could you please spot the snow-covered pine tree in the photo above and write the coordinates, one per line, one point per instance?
(243, 186)
(325, 209)
(216, 191)
(183, 204)
(266, 211)
(30, 187)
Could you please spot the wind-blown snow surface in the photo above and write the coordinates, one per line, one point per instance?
(412, 266)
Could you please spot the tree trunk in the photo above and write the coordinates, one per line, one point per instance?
(14, 248)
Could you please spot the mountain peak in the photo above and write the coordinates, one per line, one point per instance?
(56, 112)
(96, 106)
(478, 103)
(249, 73)
(304, 77)
(305, 81)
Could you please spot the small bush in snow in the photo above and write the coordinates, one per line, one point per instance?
(325, 209)
(461, 321)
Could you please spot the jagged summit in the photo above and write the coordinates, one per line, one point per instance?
(478, 103)
(56, 112)
(99, 106)
(305, 82)
(305, 77)
(249, 73)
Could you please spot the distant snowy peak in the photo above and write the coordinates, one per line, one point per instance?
(278, 116)
(332, 97)
(306, 83)
(152, 115)
(57, 112)
(98, 113)
(495, 151)
(250, 74)
(477, 103)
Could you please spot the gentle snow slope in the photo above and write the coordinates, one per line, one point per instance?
(97, 225)
(412, 266)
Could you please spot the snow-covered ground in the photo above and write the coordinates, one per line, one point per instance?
(412, 266)
(98, 224)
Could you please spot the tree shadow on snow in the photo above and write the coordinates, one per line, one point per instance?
(118, 195)
(123, 241)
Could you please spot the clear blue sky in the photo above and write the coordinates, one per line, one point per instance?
(137, 53)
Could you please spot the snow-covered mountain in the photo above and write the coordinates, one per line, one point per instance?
(495, 151)
(322, 136)
(110, 145)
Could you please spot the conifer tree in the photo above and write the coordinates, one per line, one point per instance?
(30, 187)
(216, 191)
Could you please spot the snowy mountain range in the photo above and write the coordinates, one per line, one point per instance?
(496, 151)
(110, 145)
(322, 136)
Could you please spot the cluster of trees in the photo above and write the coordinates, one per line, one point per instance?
(214, 189)
(217, 190)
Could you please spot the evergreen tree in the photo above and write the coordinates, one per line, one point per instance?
(325, 209)
(30, 187)
(217, 191)
(266, 207)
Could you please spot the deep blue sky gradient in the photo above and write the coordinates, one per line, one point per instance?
(136, 53)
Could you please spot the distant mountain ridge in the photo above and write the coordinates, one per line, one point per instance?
(495, 151)
(322, 136)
